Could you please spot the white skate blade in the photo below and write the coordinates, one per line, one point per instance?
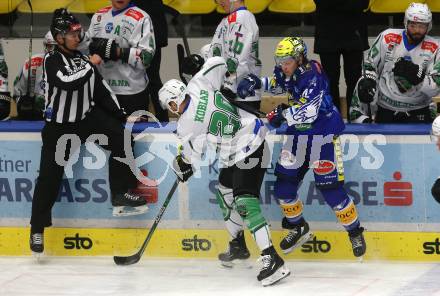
(302, 241)
(123, 211)
(360, 259)
(278, 275)
(237, 263)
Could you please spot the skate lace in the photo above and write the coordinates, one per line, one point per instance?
(292, 234)
(131, 196)
(37, 238)
(266, 259)
(356, 241)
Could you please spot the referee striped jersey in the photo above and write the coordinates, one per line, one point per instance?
(72, 87)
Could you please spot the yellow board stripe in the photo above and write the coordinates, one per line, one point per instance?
(195, 243)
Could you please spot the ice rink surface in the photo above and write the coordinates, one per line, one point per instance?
(99, 276)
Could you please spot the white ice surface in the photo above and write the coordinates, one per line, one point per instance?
(99, 276)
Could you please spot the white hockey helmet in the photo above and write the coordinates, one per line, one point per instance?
(435, 130)
(204, 51)
(172, 91)
(419, 13)
(48, 42)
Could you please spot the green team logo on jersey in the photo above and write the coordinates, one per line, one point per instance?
(225, 121)
(118, 30)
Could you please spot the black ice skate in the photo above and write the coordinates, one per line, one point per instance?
(273, 269)
(36, 243)
(126, 204)
(357, 241)
(297, 236)
(237, 252)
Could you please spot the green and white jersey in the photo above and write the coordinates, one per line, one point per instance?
(210, 119)
(37, 83)
(236, 40)
(3, 71)
(130, 28)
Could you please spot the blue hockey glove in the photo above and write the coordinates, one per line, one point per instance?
(246, 87)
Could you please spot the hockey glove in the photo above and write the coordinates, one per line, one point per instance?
(228, 93)
(275, 117)
(367, 89)
(192, 64)
(182, 169)
(105, 48)
(5, 105)
(246, 87)
(27, 108)
(411, 72)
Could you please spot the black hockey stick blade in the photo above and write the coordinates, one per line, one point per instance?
(128, 260)
(180, 57)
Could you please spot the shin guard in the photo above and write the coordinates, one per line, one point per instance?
(233, 221)
(248, 206)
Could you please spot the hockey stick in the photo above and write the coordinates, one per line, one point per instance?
(180, 57)
(247, 108)
(128, 260)
(180, 28)
(363, 74)
(28, 86)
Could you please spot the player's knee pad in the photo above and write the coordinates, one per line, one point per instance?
(435, 191)
(248, 207)
(225, 200)
(334, 196)
(346, 214)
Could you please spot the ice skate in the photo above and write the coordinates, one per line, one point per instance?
(36, 244)
(236, 254)
(126, 204)
(273, 269)
(297, 236)
(357, 242)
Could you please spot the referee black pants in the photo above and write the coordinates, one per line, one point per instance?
(52, 161)
(331, 62)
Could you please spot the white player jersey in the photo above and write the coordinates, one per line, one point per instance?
(3, 71)
(37, 82)
(210, 119)
(237, 40)
(391, 45)
(130, 28)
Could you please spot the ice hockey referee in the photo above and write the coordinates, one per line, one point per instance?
(80, 103)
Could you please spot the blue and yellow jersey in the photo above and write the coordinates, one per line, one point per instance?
(311, 106)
